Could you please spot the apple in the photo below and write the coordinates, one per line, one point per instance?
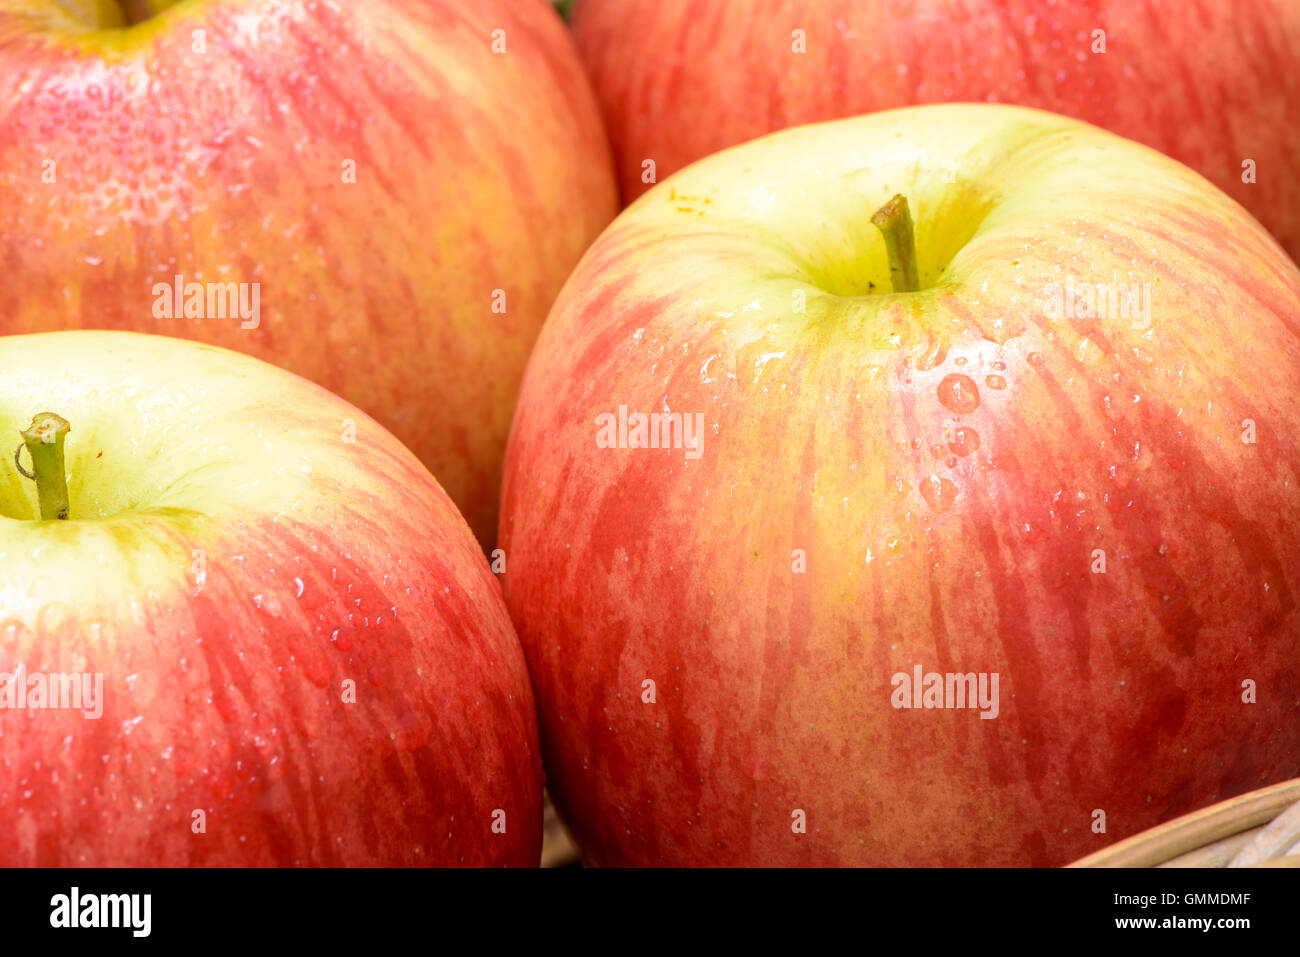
(1211, 86)
(262, 636)
(830, 547)
(382, 197)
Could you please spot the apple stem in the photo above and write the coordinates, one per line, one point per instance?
(44, 440)
(895, 224)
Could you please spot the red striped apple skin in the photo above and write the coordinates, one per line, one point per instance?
(233, 567)
(945, 465)
(1211, 83)
(474, 172)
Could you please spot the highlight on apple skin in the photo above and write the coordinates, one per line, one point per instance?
(382, 197)
(761, 510)
(263, 636)
(1212, 84)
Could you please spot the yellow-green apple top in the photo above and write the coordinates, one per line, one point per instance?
(299, 654)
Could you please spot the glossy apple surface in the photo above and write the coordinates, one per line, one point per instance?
(305, 659)
(409, 200)
(1212, 84)
(969, 478)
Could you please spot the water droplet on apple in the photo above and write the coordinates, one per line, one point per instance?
(1002, 328)
(958, 393)
(964, 441)
(1035, 358)
(939, 493)
(1034, 532)
(96, 631)
(12, 631)
(995, 382)
(341, 640)
(53, 620)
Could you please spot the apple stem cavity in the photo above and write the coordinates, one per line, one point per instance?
(44, 440)
(895, 224)
(138, 11)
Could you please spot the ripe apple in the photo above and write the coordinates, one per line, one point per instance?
(396, 190)
(1211, 84)
(756, 495)
(271, 638)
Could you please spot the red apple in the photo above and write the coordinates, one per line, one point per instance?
(403, 186)
(263, 636)
(1212, 84)
(758, 479)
